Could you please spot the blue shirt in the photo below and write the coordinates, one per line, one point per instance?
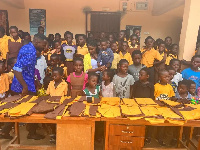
(189, 74)
(26, 61)
(105, 56)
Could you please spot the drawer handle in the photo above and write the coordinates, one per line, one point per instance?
(127, 131)
(127, 142)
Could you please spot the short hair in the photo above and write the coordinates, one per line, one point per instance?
(26, 34)
(40, 27)
(92, 43)
(11, 60)
(123, 31)
(123, 61)
(68, 32)
(40, 36)
(133, 35)
(174, 45)
(13, 27)
(174, 60)
(136, 52)
(125, 42)
(55, 56)
(149, 37)
(83, 35)
(110, 73)
(2, 30)
(114, 42)
(183, 82)
(190, 82)
(77, 59)
(104, 40)
(161, 42)
(135, 29)
(170, 68)
(93, 74)
(195, 56)
(146, 70)
(21, 31)
(161, 72)
(59, 69)
(168, 37)
(58, 34)
(50, 35)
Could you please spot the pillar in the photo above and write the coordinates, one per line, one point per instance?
(190, 27)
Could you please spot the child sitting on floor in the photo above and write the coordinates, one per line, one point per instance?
(136, 66)
(108, 88)
(78, 79)
(57, 87)
(4, 81)
(143, 88)
(123, 81)
(92, 89)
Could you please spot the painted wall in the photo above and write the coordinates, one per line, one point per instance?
(65, 15)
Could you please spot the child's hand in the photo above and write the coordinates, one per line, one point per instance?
(103, 68)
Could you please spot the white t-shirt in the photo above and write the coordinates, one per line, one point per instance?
(41, 66)
(177, 78)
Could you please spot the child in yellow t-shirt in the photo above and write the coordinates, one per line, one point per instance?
(173, 53)
(163, 90)
(114, 47)
(124, 54)
(57, 87)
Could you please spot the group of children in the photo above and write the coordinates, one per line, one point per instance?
(107, 66)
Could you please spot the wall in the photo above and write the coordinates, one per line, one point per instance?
(68, 15)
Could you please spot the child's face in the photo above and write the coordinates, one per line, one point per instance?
(41, 30)
(78, 66)
(92, 50)
(104, 45)
(137, 59)
(57, 45)
(143, 76)
(2, 68)
(162, 48)
(196, 63)
(14, 33)
(123, 68)
(134, 40)
(92, 81)
(149, 43)
(108, 43)
(172, 74)
(68, 38)
(56, 76)
(110, 38)
(57, 38)
(168, 41)
(103, 35)
(99, 45)
(81, 41)
(174, 50)
(137, 32)
(114, 47)
(176, 66)
(121, 35)
(165, 77)
(192, 88)
(38, 54)
(54, 61)
(105, 76)
(51, 38)
(124, 46)
(182, 89)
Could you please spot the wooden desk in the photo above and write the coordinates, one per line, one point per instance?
(72, 132)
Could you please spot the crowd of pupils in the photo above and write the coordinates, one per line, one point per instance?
(105, 67)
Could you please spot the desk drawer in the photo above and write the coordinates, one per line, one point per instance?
(111, 147)
(127, 130)
(126, 141)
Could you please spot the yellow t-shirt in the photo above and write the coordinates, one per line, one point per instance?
(150, 56)
(4, 82)
(127, 56)
(163, 92)
(4, 46)
(82, 50)
(170, 57)
(115, 61)
(60, 90)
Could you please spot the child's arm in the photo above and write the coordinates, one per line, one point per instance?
(69, 89)
(131, 91)
(114, 91)
(99, 59)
